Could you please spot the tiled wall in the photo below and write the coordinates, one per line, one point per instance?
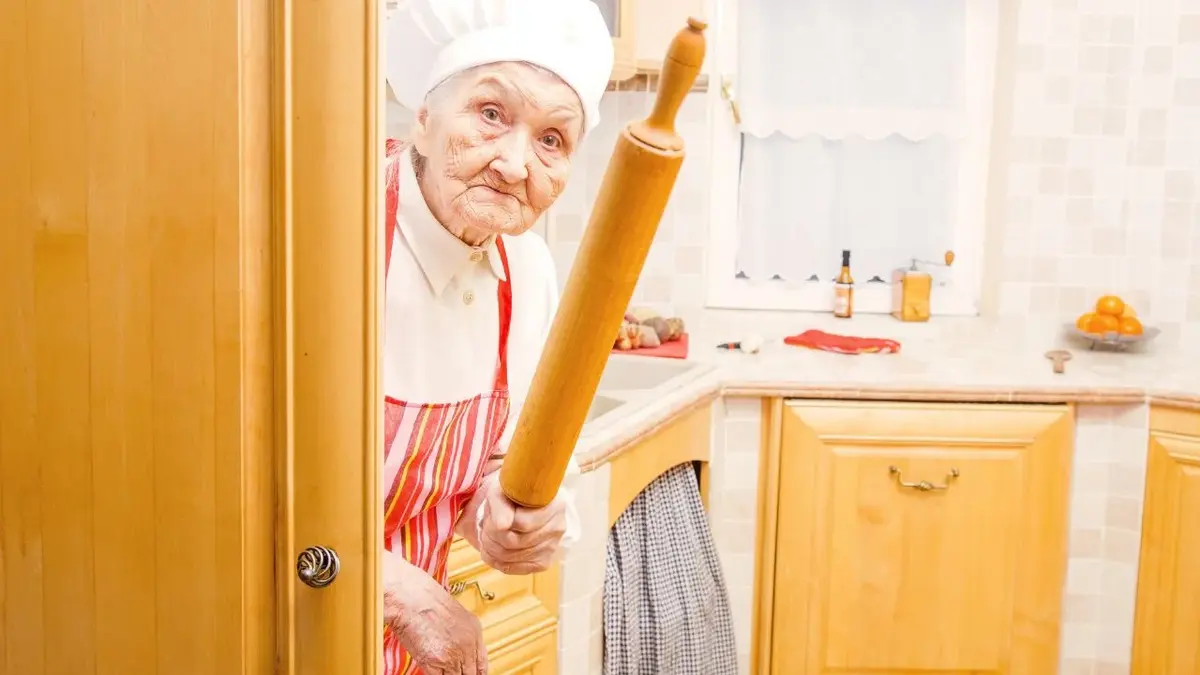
(733, 503)
(1104, 161)
(581, 601)
(1108, 480)
(672, 281)
(1101, 189)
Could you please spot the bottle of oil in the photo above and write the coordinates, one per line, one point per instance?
(843, 290)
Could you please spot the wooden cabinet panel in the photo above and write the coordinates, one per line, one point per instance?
(515, 611)
(621, 18)
(919, 538)
(538, 656)
(1167, 624)
(657, 24)
(687, 439)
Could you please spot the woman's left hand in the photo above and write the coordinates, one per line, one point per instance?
(517, 540)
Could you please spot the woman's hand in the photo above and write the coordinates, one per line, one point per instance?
(517, 540)
(442, 637)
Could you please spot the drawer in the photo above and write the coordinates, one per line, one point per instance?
(512, 609)
(535, 656)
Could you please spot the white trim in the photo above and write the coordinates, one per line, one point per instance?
(725, 148)
(724, 290)
(875, 298)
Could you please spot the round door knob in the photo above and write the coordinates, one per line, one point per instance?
(318, 566)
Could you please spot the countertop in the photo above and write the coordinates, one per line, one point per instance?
(950, 359)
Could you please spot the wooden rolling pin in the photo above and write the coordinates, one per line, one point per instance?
(628, 208)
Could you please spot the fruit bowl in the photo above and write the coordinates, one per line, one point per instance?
(1112, 323)
(1112, 339)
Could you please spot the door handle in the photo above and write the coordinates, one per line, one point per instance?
(318, 566)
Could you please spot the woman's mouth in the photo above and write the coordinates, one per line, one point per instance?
(491, 194)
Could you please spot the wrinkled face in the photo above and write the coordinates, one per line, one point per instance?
(497, 143)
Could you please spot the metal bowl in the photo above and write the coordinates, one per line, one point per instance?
(1113, 339)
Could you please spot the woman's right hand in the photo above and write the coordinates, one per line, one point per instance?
(442, 637)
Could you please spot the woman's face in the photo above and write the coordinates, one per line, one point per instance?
(497, 143)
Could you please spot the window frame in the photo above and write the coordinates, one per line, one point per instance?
(725, 291)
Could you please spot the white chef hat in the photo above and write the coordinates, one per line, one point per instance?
(431, 40)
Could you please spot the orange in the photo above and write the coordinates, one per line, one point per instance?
(1130, 326)
(1110, 305)
(1084, 321)
(1128, 312)
(1103, 323)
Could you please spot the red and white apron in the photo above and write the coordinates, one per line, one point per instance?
(434, 453)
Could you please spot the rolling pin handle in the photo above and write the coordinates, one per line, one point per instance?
(682, 64)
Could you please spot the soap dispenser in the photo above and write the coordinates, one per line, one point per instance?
(912, 288)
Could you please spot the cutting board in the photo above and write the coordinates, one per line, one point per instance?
(667, 350)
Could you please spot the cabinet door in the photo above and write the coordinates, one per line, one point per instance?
(657, 24)
(920, 538)
(1167, 624)
(512, 608)
(621, 19)
(533, 657)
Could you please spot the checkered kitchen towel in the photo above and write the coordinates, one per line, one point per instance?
(666, 611)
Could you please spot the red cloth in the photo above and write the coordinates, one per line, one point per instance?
(667, 350)
(842, 344)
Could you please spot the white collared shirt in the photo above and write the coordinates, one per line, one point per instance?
(442, 317)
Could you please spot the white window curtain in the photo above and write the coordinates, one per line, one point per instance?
(852, 117)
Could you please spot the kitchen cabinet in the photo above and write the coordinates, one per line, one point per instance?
(621, 18)
(641, 31)
(533, 657)
(1167, 616)
(519, 614)
(913, 538)
(656, 25)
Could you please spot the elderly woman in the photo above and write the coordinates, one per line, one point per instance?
(504, 92)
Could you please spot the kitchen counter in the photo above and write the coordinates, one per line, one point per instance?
(968, 360)
(947, 359)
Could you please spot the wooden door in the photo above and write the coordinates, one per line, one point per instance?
(919, 538)
(332, 131)
(187, 293)
(1167, 624)
(136, 424)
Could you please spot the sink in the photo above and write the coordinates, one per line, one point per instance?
(602, 405)
(629, 382)
(638, 373)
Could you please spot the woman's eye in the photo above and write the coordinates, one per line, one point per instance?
(491, 114)
(552, 141)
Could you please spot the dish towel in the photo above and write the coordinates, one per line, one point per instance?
(842, 344)
(666, 610)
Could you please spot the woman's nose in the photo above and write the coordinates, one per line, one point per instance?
(511, 155)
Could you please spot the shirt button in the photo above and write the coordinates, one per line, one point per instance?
(468, 297)
(476, 256)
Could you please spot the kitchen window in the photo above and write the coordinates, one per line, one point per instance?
(848, 124)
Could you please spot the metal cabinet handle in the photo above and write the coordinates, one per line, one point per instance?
(458, 587)
(924, 485)
(727, 94)
(318, 566)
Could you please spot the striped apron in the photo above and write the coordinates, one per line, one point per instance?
(434, 453)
